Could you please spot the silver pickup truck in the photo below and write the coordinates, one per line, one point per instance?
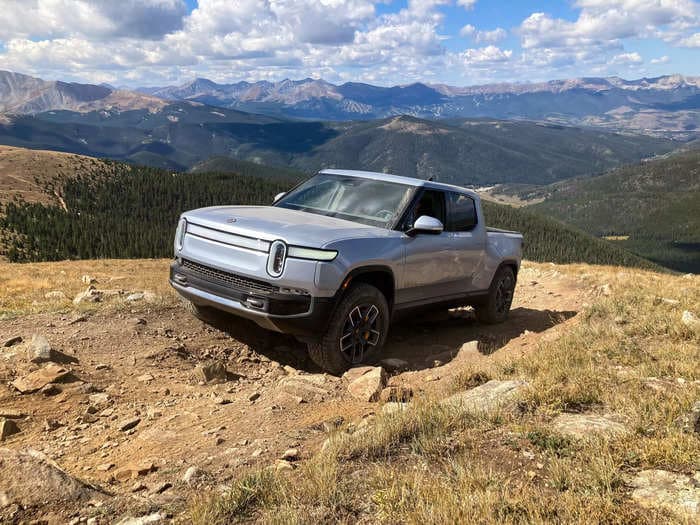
(336, 258)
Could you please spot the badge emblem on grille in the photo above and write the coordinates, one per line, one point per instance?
(231, 220)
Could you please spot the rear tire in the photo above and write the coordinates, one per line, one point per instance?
(356, 332)
(499, 299)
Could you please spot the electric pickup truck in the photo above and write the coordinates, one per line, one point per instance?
(339, 256)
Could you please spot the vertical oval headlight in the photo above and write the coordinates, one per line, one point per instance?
(180, 235)
(275, 261)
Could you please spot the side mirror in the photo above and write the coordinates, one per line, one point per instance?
(279, 196)
(426, 224)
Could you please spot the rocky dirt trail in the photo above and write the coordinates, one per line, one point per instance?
(147, 405)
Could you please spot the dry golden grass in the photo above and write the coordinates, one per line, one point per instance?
(24, 285)
(428, 465)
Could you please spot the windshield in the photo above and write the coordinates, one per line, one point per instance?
(367, 201)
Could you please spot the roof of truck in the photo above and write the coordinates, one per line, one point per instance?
(388, 177)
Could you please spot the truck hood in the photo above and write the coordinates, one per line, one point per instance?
(292, 226)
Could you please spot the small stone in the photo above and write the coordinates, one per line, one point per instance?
(134, 297)
(128, 424)
(193, 475)
(219, 440)
(40, 378)
(162, 487)
(222, 401)
(145, 378)
(138, 321)
(214, 371)
(400, 394)
(134, 470)
(55, 295)
(138, 487)
(156, 517)
(368, 386)
(690, 319)
(50, 390)
(101, 398)
(8, 428)
(254, 396)
(105, 467)
(291, 454)
(282, 465)
(257, 452)
(88, 296)
(393, 364)
(12, 341)
(489, 397)
(102, 366)
(39, 351)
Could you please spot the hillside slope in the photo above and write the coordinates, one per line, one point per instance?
(596, 367)
(652, 208)
(477, 152)
(127, 211)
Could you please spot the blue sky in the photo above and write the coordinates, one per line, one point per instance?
(460, 42)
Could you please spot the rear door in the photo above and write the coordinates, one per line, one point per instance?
(467, 239)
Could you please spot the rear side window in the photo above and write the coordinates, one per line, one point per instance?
(462, 212)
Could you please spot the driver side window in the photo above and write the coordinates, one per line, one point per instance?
(430, 203)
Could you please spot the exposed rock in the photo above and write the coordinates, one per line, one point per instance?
(12, 413)
(88, 296)
(51, 390)
(660, 488)
(162, 487)
(101, 398)
(214, 371)
(581, 426)
(128, 424)
(12, 341)
(156, 517)
(8, 428)
(368, 386)
(254, 396)
(399, 394)
(134, 470)
(22, 473)
(355, 372)
(282, 465)
(308, 387)
(145, 378)
(36, 380)
(393, 364)
(393, 406)
(55, 295)
(291, 454)
(690, 422)
(134, 297)
(39, 351)
(690, 319)
(193, 475)
(489, 397)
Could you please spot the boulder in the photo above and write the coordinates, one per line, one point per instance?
(38, 379)
(676, 492)
(369, 385)
(487, 398)
(8, 428)
(21, 473)
(582, 426)
(39, 351)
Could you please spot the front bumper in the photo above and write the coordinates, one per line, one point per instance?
(295, 314)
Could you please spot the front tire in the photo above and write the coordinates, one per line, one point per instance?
(499, 299)
(356, 332)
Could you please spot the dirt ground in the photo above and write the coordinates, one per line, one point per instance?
(138, 360)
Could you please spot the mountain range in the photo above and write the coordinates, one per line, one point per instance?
(667, 106)
(664, 106)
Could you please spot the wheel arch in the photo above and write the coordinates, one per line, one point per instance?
(379, 276)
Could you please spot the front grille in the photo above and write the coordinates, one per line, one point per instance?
(231, 279)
